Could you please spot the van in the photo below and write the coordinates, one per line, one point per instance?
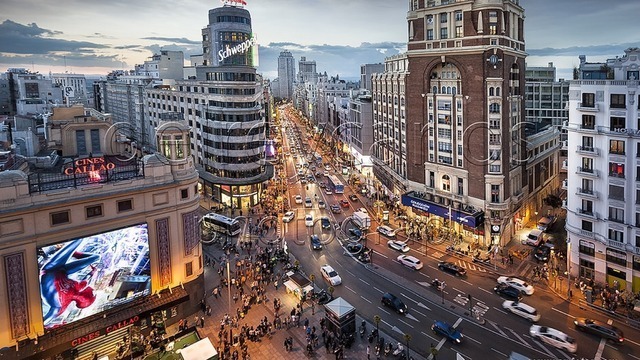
(534, 238)
(521, 309)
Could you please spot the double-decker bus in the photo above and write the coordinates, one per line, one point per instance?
(221, 224)
(334, 184)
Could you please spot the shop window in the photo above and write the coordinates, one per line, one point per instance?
(587, 248)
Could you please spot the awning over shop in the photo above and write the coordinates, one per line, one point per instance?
(470, 217)
(201, 350)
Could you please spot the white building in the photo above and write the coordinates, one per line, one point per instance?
(286, 74)
(74, 87)
(603, 187)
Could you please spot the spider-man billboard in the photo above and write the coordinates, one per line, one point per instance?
(85, 276)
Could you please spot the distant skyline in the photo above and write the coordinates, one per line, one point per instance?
(93, 37)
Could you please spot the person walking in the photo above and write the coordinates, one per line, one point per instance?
(202, 321)
(368, 352)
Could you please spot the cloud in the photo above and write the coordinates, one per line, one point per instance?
(127, 47)
(175, 40)
(594, 50)
(31, 39)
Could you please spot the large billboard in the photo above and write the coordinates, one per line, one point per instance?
(85, 276)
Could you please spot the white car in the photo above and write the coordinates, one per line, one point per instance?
(516, 283)
(521, 309)
(553, 337)
(288, 216)
(327, 167)
(298, 199)
(307, 202)
(410, 261)
(308, 220)
(322, 204)
(328, 191)
(386, 231)
(362, 210)
(330, 275)
(398, 245)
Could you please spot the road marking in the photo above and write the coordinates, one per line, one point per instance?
(500, 352)
(364, 282)
(350, 289)
(502, 311)
(466, 282)
(457, 322)
(518, 336)
(350, 272)
(423, 274)
(497, 328)
(564, 313)
(365, 299)
(408, 298)
(427, 335)
(635, 357)
(598, 355)
(406, 323)
(388, 313)
(460, 291)
(544, 348)
(423, 306)
(433, 267)
(384, 322)
(633, 342)
(409, 316)
(461, 355)
(381, 254)
(416, 311)
(378, 289)
(485, 290)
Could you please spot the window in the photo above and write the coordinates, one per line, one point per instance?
(61, 217)
(494, 155)
(494, 108)
(443, 18)
(616, 214)
(587, 248)
(616, 192)
(95, 141)
(494, 168)
(459, 31)
(124, 205)
(460, 186)
(494, 139)
(587, 165)
(446, 183)
(588, 122)
(587, 225)
(458, 17)
(184, 193)
(81, 144)
(493, 29)
(443, 33)
(616, 256)
(616, 170)
(495, 193)
(429, 34)
(633, 75)
(616, 147)
(587, 207)
(93, 211)
(618, 101)
(588, 100)
(188, 267)
(616, 123)
(616, 235)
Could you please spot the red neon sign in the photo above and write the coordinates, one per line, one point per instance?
(92, 166)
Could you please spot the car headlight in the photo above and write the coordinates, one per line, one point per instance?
(458, 341)
(575, 322)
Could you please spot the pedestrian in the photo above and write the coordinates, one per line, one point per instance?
(215, 292)
(368, 352)
(196, 320)
(275, 284)
(202, 321)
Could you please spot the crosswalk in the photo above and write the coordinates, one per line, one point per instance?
(528, 342)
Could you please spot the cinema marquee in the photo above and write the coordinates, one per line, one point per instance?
(89, 165)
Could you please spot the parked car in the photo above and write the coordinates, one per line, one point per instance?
(410, 261)
(362, 210)
(398, 245)
(508, 292)
(443, 328)
(353, 197)
(315, 242)
(394, 303)
(328, 191)
(452, 268)
(307, 202)
(553, 337)
(521, 309)
(330, 275)
(386, 231)
(308, 220)
(545, 223)
(355, 232)
(542, 253)
(517, 283)
(534, 238)
(599, 328)
(288, 216)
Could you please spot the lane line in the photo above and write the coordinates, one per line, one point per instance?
(350, 289)
(500, 352)
(457, 322)
(461, 355)
(429, 336)
(485, 290)
(433, 267)
(544, 348)
(380, 254)
(497, 328)
(388, 313)
(406, 323)
(518, 336)
(364, 282)
(460, 291)
(386, 323)
(472, 339)
(409, 298)
(598, 355)
(365, 299)
(378, 289)
(416, 311)
(564, 313)
(500, 310)
(635, 357)
(466, 282)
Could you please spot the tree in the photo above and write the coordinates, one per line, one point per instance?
(553, 200)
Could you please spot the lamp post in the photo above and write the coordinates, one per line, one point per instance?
(407, 338)
(536, 216)
(376, 319)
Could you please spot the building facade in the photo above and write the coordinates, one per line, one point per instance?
(74, 221)
(603, 215)
(460, 151)
(286, 75)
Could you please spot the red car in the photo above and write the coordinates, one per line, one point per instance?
(344, 203)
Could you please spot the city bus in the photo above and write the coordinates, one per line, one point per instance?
(221, 224)
(317, 157)
(334, 184)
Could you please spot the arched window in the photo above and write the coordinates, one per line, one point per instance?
(491, 91)
(444, 90)
(454, 91)
(497, 91)
(446, 183)
(448, 89)
(435, 89)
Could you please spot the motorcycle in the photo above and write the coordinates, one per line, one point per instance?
(478, 259)
(380, 346)
(450, 248)
(437, 284)
(399, 350)
(373, 335)
(363, 328)
(388, 349)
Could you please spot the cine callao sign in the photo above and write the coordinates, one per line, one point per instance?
(89, 165)
(238, 49)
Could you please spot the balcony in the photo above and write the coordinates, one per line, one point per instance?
(587, 213)
(587, 172)
(588, 128)
(564, 204)
(587, 234)
(565, 183)
(588, 150)
(564, 144)
(587, 193)
(587, 107)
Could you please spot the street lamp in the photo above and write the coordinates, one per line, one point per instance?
(536, 216)
(407, 338)
(376, 319)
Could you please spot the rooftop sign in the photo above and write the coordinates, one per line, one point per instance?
(234, 2)
(238, 49)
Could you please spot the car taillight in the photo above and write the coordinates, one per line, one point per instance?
(621, 339)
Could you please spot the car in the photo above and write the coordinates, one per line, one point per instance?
(315, 242)
(322, 204)
(516, 283)
(335, 208)
(344, 203)
(298, 199)
(323, 297)
(322, 184)
(393, 302)
(542, 253)
(355, 232)
(328, 191)
(599, 328)
(443, 328)
(534, 238)
(545, 223)
(325, 174)
(508, 292)
(386, 231)
(307, 202)
(327, 168)
(398, 245)
(326, 224)
(451, 268)
(308, 220)
(300, 172)
(521, 309)
(553, 337)
(288, 216)
(353, 197)
(303, 180)
(362, 210)
(330, 275)
(410, 261)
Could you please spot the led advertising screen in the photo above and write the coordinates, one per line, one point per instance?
(85, 276)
